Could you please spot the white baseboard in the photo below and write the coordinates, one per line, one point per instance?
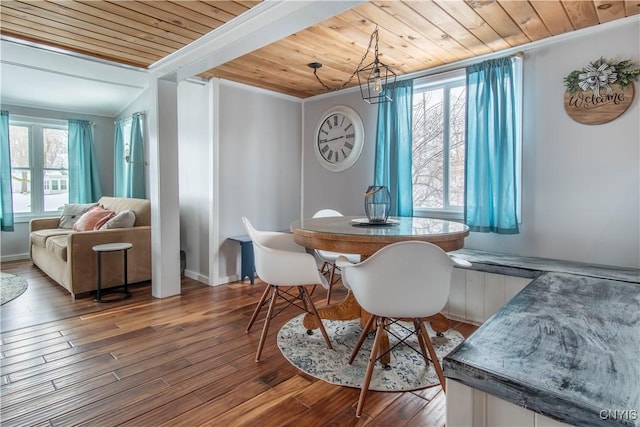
(196, 276)
(228, 279)
(15, 257)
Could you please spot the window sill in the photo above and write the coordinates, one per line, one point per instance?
(448, 215)
(25, 218)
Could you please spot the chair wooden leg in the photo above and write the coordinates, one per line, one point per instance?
(434, 356)
(331, 282)
(303, 298)
(258, 307)
(311, 306)
(423, 348)
(372, 362)
(267, 321)
(363, 336)
(324, 265)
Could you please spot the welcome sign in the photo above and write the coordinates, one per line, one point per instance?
(600, 93)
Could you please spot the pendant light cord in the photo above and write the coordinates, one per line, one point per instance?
(343, 85)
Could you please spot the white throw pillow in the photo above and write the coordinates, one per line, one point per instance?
(72, 212)
(124, 219)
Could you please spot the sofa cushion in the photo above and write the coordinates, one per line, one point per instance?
(57, 245)
(40, 237)
(72, 213)
(93, 219)
(141, 207)
(124, 219)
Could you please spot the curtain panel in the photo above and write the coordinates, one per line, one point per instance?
(129, 174)
(393, 149)
(6, 196)
(490, 169)
(84, 178)
(119, 164)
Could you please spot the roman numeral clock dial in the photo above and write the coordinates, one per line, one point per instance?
(339, 138)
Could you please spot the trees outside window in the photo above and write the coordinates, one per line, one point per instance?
(39, 165)
(438, 147)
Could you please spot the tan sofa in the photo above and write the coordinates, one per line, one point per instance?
(67, 257)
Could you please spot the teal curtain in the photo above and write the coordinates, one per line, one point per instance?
(490, 169)
(393, 149)
(129, 175)
(84, 179)
(6, 197)
(135, 174)
(119, 165)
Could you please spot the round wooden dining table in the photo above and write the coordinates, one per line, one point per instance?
(354, 235)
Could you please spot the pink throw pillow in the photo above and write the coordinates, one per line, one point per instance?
(93, 219)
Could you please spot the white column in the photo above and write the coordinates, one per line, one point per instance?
(214, 182)
(163, 186)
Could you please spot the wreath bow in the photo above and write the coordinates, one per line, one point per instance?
(600, 74)
(594, 78)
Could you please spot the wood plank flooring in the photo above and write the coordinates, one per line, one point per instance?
(179, 361)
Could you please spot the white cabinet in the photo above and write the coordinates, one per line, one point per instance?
(468, 407)
(475, 295)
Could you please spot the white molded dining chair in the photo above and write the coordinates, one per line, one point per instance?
(329, 258)
(281, 262)
(403, 280)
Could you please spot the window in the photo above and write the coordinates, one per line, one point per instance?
(439, 113)
(439, 145)
(39, 164)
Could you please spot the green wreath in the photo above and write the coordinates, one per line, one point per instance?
(601, 73)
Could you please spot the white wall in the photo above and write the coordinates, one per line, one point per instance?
(343, 191)
(259, 166)
(194, 114)
(581, 189)
(15, 245)
(581, 183)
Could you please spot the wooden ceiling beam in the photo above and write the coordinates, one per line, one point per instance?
(582, 14)
(448, 25)
(553, 15)
(525, 16)
(503, 23)
(468, 18)
(609, 10)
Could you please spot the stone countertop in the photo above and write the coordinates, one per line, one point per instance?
(531, 267)
(567, 346)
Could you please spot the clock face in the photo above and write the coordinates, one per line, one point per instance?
(335, 138)
(339, 138)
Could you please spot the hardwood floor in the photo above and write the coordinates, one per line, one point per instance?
(184, 360)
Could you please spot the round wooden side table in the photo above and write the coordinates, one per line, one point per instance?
(112, 247)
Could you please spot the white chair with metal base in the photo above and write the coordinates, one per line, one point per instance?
(406, 280)
(282, 263)
(329, 258)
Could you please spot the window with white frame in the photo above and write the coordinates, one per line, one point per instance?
(438, 169)
(438, 145)
(39, 164)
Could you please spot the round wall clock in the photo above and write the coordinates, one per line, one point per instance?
(339, 138)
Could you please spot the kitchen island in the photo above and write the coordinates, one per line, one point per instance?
(566, 349)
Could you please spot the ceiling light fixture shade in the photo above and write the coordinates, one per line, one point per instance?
(377, 81)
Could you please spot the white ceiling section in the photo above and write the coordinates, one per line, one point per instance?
(34, 77)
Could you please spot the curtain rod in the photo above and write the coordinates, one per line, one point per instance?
(459, 64)
(138, 113)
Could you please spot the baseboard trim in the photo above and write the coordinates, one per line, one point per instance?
(15, 257)
(196, 276)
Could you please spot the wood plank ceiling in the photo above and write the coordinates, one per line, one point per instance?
(414, 35)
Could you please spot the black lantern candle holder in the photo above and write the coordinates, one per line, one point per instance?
(377, 204)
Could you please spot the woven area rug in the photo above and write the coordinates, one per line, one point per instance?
(11, 286)
(310, 354)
